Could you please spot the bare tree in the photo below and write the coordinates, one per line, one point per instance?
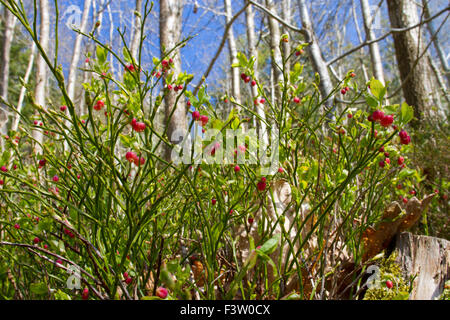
(41, 67)
(97, 20)
(436, 42)
(111, 35)
(286, 13)
(277, 60)
(358, 32)
(9, 21)
(71, 82)
(415, 71)
(235, 85)
(136, 36)
(315, 54)
(23, 90)
(7, 38)
(170, 13)
(375, 55)
(251, 39)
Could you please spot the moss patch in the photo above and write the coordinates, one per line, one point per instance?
(389, 270)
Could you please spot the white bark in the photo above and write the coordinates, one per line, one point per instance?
(277, 60)
(111, 36)
(41, 67)
(314, 52)
(358, 32)
(286, 8)
(375, 55)
(72, 80)
(429, 259)
(136, 31)
(251, 39)
(443, 88)
(98, 14)
(7, 38)
(170, 14)
(436, 42)
(23, 90)
(235, 85)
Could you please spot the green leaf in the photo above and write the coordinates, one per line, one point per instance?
(201, 94)
(293, 296)
(60, 295)
(101, 54)
(38, 288)
(371, 101)
(217, 124)
(126, 55)
(406, 173)
(270, 245)
(6, 156)
(151, 298)
(231, 115)
(44, 224)
(377, 89)
(235, 123)
(126, 140)
(298, 68)
(401, 296)
(391, 109)
(407, 113)
(243, 62)
(300, 88)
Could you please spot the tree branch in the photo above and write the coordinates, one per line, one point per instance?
(276, 17)
(393, 30)
(219, 50)
(396, 91)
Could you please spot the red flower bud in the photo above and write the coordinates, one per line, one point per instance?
(162, 292)
(196, 115)
(387, 120)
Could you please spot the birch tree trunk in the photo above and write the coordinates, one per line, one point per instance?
(442, 109)
(72, 80)
(41, 67)
(136, 31)
(358, 32)
(286, 8)
(97, 16)
(277, 60)
(23, 90)
(170, 14)
(436, 42)
(314, 52)
(375, 56)
(415, 73)
(7, 38)
(235, 85)
(111, 35)
(251, 39)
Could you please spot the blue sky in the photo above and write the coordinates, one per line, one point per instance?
(208, 23)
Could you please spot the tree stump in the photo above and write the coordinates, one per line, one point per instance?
(429, 258)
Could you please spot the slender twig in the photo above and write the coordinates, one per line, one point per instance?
(158, 270)
(33, 249)
(393, 30)
(396, 91)
(219, 49)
